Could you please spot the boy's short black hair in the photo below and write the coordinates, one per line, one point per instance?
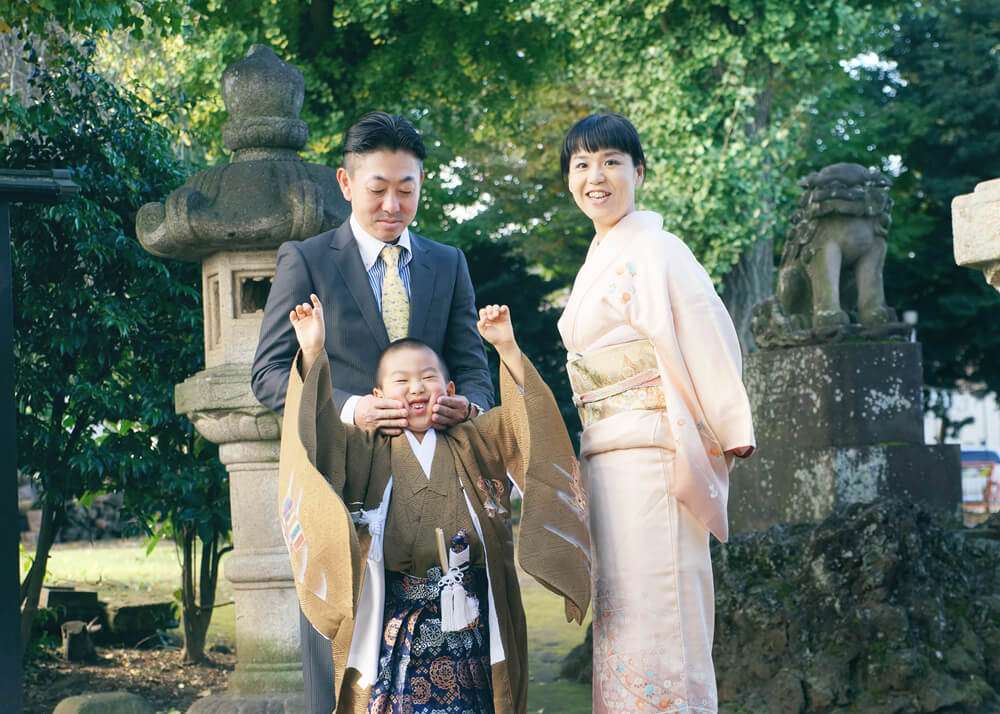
(378, 131)
(602, 131)
(407, 343)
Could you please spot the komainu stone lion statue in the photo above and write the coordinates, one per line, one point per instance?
(830, 278)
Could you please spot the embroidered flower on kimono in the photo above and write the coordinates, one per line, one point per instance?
(443, 673)
(464, 673)
(622, 289)
(391, 630)
(430, 637)
(493, 491)
(421, 690)
(478, 674)
(579, 495)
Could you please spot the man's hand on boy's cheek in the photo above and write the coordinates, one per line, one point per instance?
(387, 415)
(449, 411)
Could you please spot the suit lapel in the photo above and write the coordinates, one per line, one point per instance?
(421, 286)
(347, 258)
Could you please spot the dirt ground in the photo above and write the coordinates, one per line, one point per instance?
(159, 676)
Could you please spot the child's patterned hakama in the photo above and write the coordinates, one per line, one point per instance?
(422, 669)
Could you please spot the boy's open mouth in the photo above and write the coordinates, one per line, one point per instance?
(419, 406)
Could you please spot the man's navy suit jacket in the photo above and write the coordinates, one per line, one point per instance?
(442, 314)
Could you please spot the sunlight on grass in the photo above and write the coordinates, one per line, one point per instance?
(550, 638)
(121, 572)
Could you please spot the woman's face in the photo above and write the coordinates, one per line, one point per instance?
(603, 185)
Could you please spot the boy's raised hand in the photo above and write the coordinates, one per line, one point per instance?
(310, 330)
(495, 326)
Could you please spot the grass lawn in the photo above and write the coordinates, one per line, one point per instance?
(120, 571)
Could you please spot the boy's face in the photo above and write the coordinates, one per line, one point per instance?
(413, 376)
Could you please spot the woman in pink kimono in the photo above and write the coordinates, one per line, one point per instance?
(655, 366)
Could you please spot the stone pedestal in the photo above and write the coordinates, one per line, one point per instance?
(975, 220)
(836, 424)
(219, 402)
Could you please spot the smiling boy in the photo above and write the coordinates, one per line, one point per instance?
(428, 627)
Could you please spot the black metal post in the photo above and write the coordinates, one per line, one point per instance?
(15, 187)
(10, 606)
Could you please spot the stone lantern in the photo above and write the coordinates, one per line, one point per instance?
(975, 220)
(232, 218)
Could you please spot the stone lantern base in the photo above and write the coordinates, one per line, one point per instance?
(268, 676)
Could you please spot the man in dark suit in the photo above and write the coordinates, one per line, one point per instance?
(378, 282)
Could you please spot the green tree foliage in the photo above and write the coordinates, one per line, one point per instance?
(722, 94)
(931, 99)
(101, 328)
(479, 80)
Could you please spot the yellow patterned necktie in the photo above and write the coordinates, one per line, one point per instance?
(395, 303)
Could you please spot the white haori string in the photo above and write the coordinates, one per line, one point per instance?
(459, 608)
(375, 520)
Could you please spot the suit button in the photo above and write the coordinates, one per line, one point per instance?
(681, 422)
(715, 452)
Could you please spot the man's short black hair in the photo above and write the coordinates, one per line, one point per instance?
(602, 131)
(403, 344)
(378, 131)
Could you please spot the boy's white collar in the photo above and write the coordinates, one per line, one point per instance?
(423, 450)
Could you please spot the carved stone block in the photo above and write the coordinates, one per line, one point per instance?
(975, 221)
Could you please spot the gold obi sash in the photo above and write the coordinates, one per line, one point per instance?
(615, 379)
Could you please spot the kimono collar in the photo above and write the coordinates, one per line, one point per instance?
(602, 255)
(630, 224)
(423, 450)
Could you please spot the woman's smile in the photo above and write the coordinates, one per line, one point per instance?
(598, 197)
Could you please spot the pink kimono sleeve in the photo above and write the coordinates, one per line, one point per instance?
(675, 305)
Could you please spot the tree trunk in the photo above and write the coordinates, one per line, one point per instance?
(195, 631)
(198, 596)
(752, 278)
(750, 281)
(315, 28)
(194, 628)
(31, 588)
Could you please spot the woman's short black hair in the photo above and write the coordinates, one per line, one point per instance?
(602, 131)
(377, 131)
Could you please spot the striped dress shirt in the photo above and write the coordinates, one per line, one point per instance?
(371, 249)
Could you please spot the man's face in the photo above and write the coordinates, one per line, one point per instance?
(384, 190)
(413, 376)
